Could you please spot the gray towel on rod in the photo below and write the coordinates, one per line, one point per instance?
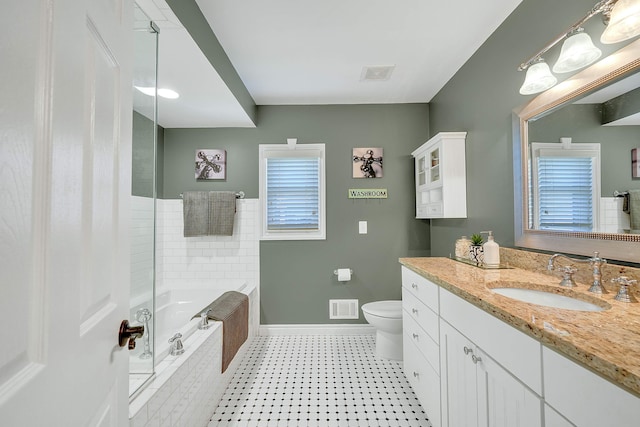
(634, 210)
(195, 210)
(222, 211)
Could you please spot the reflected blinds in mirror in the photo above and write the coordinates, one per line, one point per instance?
(565, 193)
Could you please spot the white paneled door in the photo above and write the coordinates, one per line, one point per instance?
(65, 161)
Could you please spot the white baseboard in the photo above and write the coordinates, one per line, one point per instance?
(331, 329)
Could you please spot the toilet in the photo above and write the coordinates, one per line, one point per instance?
(386, 317)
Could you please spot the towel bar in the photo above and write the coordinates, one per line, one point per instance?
(239, 195)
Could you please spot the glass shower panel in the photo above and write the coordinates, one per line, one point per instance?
(143, 198)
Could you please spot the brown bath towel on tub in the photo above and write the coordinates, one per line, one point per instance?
(232, 309)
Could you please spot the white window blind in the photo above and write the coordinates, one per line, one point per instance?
(293, 193)
(566, 186)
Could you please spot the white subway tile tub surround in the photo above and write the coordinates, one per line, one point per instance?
(314, 380)
(141, 246)
(208, 257)
(187, 388)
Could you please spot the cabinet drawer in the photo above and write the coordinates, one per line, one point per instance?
(422, 288)
(435, 209)
(427, 346)
(424, 381)
(517, 352)
(421, 314)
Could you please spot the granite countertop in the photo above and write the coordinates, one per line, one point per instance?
(607, 342)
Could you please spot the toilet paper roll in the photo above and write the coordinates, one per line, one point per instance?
(344, 274)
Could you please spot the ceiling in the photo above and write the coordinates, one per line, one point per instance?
(311, 52)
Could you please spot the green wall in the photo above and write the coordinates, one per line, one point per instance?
(582, 122)
(296, 277)
(480, 99)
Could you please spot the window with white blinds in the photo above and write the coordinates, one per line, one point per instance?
(292, 192)
(566, 186)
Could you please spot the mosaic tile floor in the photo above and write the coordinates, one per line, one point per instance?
(323, 381)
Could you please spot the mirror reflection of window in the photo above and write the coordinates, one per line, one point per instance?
(565, 186)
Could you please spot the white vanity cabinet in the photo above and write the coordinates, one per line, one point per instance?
(477, 390)
(421, 348)
(441, 183)
(469, 368)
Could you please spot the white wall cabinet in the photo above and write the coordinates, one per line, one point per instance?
(441, 183)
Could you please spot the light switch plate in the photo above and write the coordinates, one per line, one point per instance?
(362, 227)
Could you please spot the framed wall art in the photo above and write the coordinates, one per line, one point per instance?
(635, 163)
(211, 164)
(367, 162)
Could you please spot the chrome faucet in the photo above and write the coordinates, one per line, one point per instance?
(595, 262)
(143, 316)
(623, 294)
(204, 320)
(176, 348)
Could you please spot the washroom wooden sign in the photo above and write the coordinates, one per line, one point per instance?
(367, 193)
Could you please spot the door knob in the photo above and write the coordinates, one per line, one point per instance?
(129, 333)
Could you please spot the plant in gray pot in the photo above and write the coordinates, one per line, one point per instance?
(476, 251)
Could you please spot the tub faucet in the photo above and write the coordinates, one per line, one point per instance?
(176, 345)
(204, 320)
(595, 262)
(143, 316)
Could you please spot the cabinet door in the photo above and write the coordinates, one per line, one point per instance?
(503, 401)
(433, 159)
(458, 378)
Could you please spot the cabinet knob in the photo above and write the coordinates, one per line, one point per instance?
(415, 336)
(467, 350)
(415, 374)
(414, 310)
(476, 359)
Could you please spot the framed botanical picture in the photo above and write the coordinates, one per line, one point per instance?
(635, 163)
(367, 162)
(211, 164)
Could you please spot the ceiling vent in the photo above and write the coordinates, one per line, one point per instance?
(379, 73)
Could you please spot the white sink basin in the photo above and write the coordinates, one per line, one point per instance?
(548, 299)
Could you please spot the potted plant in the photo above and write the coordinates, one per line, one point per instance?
(476, 251)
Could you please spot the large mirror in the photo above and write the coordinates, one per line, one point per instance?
(573, 162)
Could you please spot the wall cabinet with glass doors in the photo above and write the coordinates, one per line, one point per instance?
(441, 182)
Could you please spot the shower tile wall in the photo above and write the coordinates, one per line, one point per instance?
(141, 244)
(208, 257)
(612, 218)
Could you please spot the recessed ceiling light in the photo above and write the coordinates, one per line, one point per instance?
(378, 73)
(163, 92)
(168, 93)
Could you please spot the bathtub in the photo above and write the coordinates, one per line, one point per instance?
(186, 389)
(176, 306)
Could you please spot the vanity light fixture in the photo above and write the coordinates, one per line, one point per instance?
(624, 22)
(538, 79)
(622, 18)
(577, 52)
